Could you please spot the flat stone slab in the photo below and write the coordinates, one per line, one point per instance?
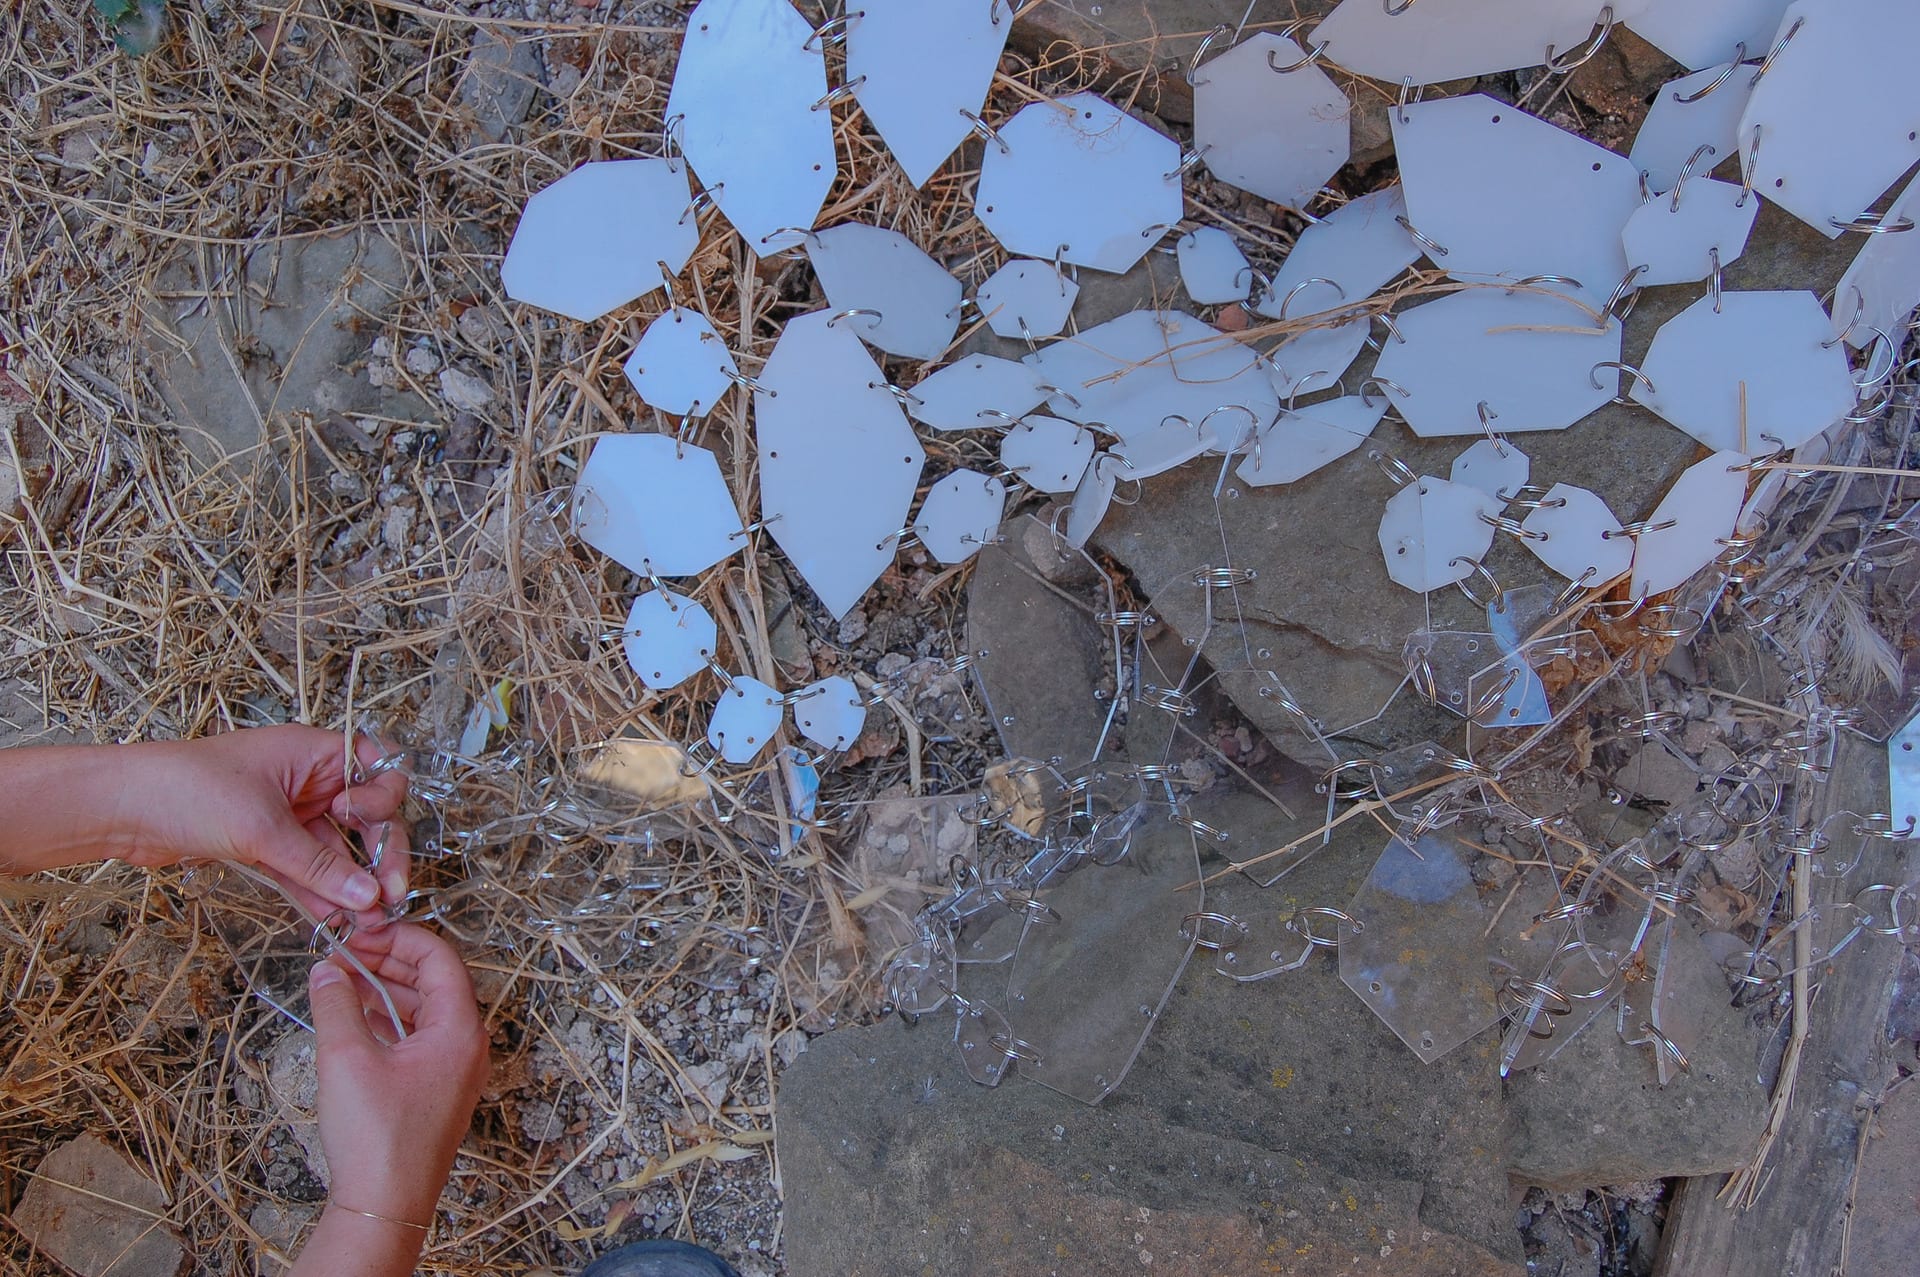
(94, 1211)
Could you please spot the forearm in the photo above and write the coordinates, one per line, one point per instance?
(68, 804)
(347, 1244)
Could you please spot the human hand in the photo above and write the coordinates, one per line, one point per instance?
(392, 1114)
(277, 798)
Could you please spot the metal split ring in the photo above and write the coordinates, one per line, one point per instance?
(1206, 42)
(832, 31)
(745, 382)
(1433, 249)
(1766, 63)
(1739, 56)
(1571, 591)
(1491, 699)
(1475, 568)
(1640, 378)
(1519, 988)
(1223, 578)
(1300, 924)
(1636, 531)
(1190, 928)
(1198, 826)
(1188, 162)
(838, 94)
(1015, 1048)
(1510, 526)
(1647, 726)
(1311, 56)
(906, 398)
(1531, 496)
(1879, 824)
(1166, 698)
(1121, 620)
(1564, 66)
(1674, 629)
(986, 131)
(1893, 909)
(1391, 466)
(1686, 171)
(1308, 282)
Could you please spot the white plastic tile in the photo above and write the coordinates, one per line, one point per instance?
(838, 461)
(594, 240)
(1882, 285)
(1701, 505)
(1509, 195)
(830, 712)
(1677, 244)
(1152, 377)
(1839, 110)
(1029, 293)
(1456, 39)
(961, 514)
(1176, 443)
(921, 66)
(1700, 33)
(654, 505)
(1531, 357)
(965, 394)
(1080, 180)
(1277, 134)
(1497, 469)
(869, 268)
(668, 638)
(1432, 533)
(1091, 499)
(1579, 538)
(1316, 358)
(1359, 246)
(1212, 266)
(1771, 343)
(1048, 454)
(743, 93)
(744, 719)
(680, 364)
(1903, 767)
(1674, 130)
(1305, 439)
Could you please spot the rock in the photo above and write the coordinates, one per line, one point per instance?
(90, 1208)
(498, 84)
(465, 391)
(1653, 772)
(289, 1095)
(1885, 1232)
(282, 1228)
(227, 378)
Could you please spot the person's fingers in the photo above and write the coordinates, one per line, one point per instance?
(388, 855)
(315, 857)
(406, 999)
(446, 991)
(336, 1005)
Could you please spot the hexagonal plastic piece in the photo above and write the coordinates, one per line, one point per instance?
(1046, 453)
(1677, 241)
(961, 514)
(1302, 440)
(1768, 342)
(1685, 530)
(1674, 130)
(1316, 358)
(830, 712)
(1433, 533)
(1456, 40)
(1700, 35)
(871, 268)
(974, 392)
(680, 365)
(1494, 466)
(1574, 533)
(1883, 284)
(838, 461)
(594, 240)
(743, 95)
(1508, 195)
(1027, 299)
(1511, 351)
(1359, 247)
(655, 506)
(1278, 134)
(744, 720)
(921, 67)
(1082, 180)
(1212, 267)
(668, 639)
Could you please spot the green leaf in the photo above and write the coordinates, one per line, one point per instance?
(113, 10)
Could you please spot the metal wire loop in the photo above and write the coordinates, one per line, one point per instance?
(1226, 922)
(1168, 699)
(1537, 995)
(1307, 59)
(1640, 378)
(1571, 591)
(1531, 496)
(1673, 628)
(1393, 10)
(1223, 578)
(1188, 162)
(701, 203)
(906, 397)
(1054, 392)
(1686, 171)
(1200, 51)
(1739, 56)
(1567, 912)
(838, 94)
(1395, 469)
(1201, 827)
(1529, 281)
(1893, 909)
(832, 31)
(1015, 1048)
(1661, 1042)
(1409, 95)
(852, 311)
(1308, 282)
(1636, 531)
(1803, 842)
(1301, 924)
(1765, 459)
(1859, 313)
(1433, 249)
(745, 382)
(1879, 824)
(1491, 699)
(907, 536)
(1766, 63)
(1124, 619)
(1625, 292)
(985, 130)
(1648, 725)
(1563, 66)
(1475, 568)
(1487, 417)
(1386, 384)
(1501, 523)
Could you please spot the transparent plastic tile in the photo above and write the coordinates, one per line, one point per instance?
(1508, 694)
(668, 639)
(1316, 358)
(922, 67)
(1532, 359)
(1575, 534)
(1772, 344)
(1701, 35)
(1090, 979)
(1446, 662)
(1157, 372)
(1358, 248)
(655, 506)
(594, 240)
(838, 461)
(766, 156)
(830, 712)
(910, 305)
(1432, 533)
(1903, 755)
(680, 365)
(1091, 499)
(1212, 267)
(961, 513)
(1302, 440)
(1495, 466)
(1079, 180)
(1027, 299)
(1674, 128)
(744, 719)
(976, 391)
(920, 977)
(1882, 286)
(1508, 195)
(1678, 961)
(1279, 134)
(1454, 41)
(1418, 957)
(1846, 73)
(1589, 973)
(1046, 453)
(1678, 242)
(1685, 530)
(982, 1035)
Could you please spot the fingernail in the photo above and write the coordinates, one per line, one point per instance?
(324, 973)
(361, 891)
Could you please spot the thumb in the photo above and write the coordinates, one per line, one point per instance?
(337, 1017)
(328, 870)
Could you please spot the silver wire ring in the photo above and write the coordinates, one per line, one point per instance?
(1432, 248)
(851, 311)
(1198, 826)
(1624, 291)
(1206, 42)
(1518, 987)
(1512, 527)
(1223, 578)
(700, 203)
(1286, 301)
(1190, 928)
(1395, 469)
(1559, 67)
(1392, 11)
(1739, 56)
(1491, 698)
(985, 130)
(832, 31)
(1873, 224)
(906, 397)
(1168, 699)
(1661, 1042)
(1011, 1047)
(838, 94)
(1054, 392)
(1893, 909)
(1635, 531)
(1479, 569)
(1766, 63)
(1528, 281)
(1686, 171)
(745, 382)
(1188, 162)
(1299, 923)
(1409, 95)
(1311, 56)
(1648, 725)
(1386, 384)
(1487, 417)
(1673, 629)
(1121, 620)
(1879, 824)
(1571, 591)
(1531, 496)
